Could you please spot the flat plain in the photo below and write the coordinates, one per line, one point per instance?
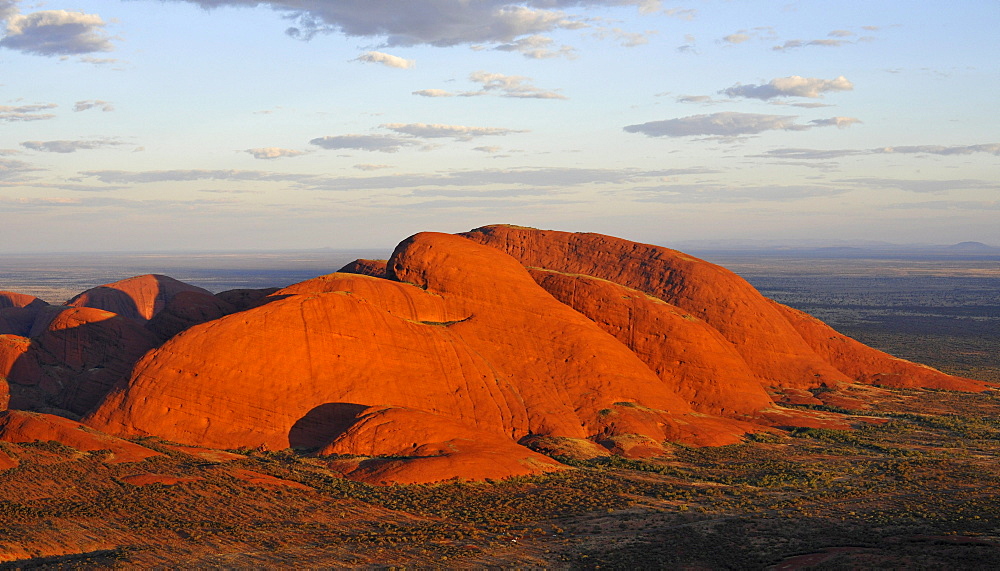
(913, 485)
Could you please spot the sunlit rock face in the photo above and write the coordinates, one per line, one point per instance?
(459, 357)
(784, 347)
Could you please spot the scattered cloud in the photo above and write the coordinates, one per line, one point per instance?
(55, 33)
(69, 146)
(380, 143)
(687, 14)
(537, 47)
(93, 104)
(922, 185)
(273, 153)
(498, 84)
(12, 114)
(433, 93)
(625, 38)
(14, 170)
(435, 131)
(841, 34)
(705, 99)
(439, 23)
(838, 122)
(714, 193)
(386, 60)
(492, 150)
(726, 124)
(820, 154)
(371, 167)
(793, 86)
(735, 38)
(179, 175)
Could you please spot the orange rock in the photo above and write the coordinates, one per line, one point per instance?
(18, 426)
(9, 299)
(463, 332)
(424, 447)
(375, 268)
(74, 361)
(780, 346)
(685, 352)
(868, 365)
(139, 297)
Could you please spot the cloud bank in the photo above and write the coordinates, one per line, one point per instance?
(431, 22)
(730, 124)
(54, 32)
(794, 86)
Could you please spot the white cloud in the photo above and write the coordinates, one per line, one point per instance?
(380, 143)
(794, 86)
(735, 38)
(688, 14)
(182, 175)
(55, 33)
(68, 146)
(457, 132)
(371, 167)
(386, 60)
(838, 122)
(273, 153)
(14, 170)
(93, 104)
(12, 114)
(825, 154)
(923, 185)
(537, 47)
(431, 22)
(729, 124)
(490, 149)
(513, 86)
(433, 93)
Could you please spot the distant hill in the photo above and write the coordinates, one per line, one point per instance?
(972, 247)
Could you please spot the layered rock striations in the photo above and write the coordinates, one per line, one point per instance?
(449, 360)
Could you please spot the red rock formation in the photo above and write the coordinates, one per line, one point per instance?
(243, 299)
(138, 298)
(74, 361)
(18, 312)
(375, 268)
(463, 332)
(18, 426)
(774, 348)
(185, 309)
(868, 365)
(424, 447)
(685, 352)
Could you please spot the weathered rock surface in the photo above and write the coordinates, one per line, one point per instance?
(365, 267)
(18, 427)
(18, 312)
(454, 359)
(461, 331)
(782, 353)
(139, 297)
(74, 361)
(685, 352)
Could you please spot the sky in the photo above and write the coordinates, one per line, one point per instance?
(139, 125)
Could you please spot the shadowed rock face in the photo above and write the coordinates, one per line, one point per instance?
(138, 298)
(18, 312)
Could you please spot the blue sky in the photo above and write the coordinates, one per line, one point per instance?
(222, 124)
